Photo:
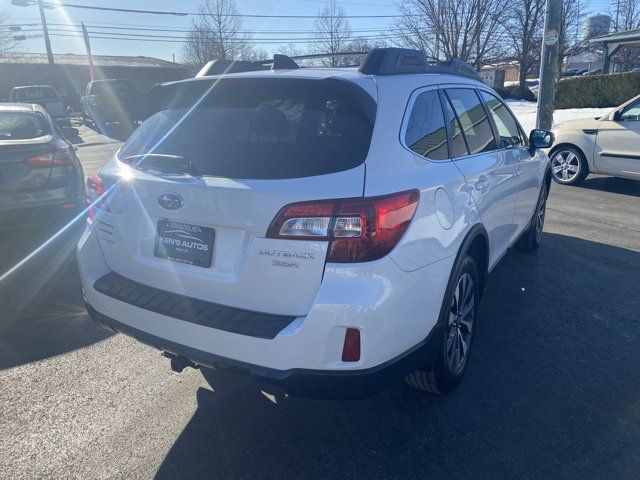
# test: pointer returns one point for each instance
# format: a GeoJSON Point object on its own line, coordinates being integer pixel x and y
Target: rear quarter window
{"type": "Point", "coordinates": [36, 94]}
{"type": "Point", "coordinates": [425, 132]}
{"type": "Point", "coordinates": [259, 128]}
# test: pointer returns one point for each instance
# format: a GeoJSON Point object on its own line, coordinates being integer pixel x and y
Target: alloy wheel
{"type": "Point", "coordinates": [565, 165]}
{"type": "Point", "coordinates": [460, 324]}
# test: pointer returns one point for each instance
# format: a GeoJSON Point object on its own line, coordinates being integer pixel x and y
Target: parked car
{"type": "Point", "coordinates": [572, 72]}
{"type": "Point", "coordinates": [41, 179]}
{"type": "Point", "coordinates": [608, 145]}
{"type": "Point", "coordinates": [326, 230]}
{"type": "Point", "coordinates": [112, 100]}
{"type": "Point", "coordinates": [46, 96]}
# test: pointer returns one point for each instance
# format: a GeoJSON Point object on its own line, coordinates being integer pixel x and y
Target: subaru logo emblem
{"type": "Point", "coordinates": [170, 201]}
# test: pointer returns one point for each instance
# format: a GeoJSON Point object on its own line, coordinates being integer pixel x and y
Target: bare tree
{"type": "Point", "coordinates": [573, 14]}
{"type": "Point", "coordinates": [524, 30]}
{"type": "Point", "coordinates": [628, 14]}
{"type": "Point", "coordinates": [216, 35]}
{"type": "Point", "coordinates": [333, 33]}
{"type": "Point", "coordinates": [471, 30]}
{"type": "Point", "coordinates": [628, 17]}
{"type": "Point", "coordinates": [7, 43]}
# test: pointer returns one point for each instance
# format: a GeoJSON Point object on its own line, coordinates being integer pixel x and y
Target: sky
{"type": "Point", "coordinates": [259, 27]}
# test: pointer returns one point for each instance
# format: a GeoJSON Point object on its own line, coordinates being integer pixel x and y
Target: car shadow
{"type": "Point", "coordinates": [552, 391]}
{"type": "Point", "coordinates": [622, 186]}
{"type": "Point", "coordinates": [117, 131]}
{"type": "Point", "coordinates": [42, 312]}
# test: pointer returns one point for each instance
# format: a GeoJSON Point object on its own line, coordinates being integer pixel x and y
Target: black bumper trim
{"type": "Point", "coordinates": [326, 384]}
{"type": "Point", "coordinates": [192, 310]}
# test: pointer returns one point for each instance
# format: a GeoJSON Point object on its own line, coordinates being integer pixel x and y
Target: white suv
{"type": "Point", "coordinates": [327, 230]}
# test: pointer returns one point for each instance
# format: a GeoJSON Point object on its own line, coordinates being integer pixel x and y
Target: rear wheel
{"type": "Point", "coordinates": [532, 237]}
{"type": "Point", "coordinates": [569, 166]}
{"type": "Point", "coordinates": [453, 335]}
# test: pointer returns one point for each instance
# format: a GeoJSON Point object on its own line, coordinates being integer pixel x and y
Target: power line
{"type": "Point", "coordinates": [133, 36]}
{"type": "Point", "coordinates": [183, 14]}
{"type": "Point", "coordinates": [178, 40]}
{"type": "Point", "coordinates": [178, 30]}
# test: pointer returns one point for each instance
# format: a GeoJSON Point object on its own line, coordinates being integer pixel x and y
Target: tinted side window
{"type": "Point", "coordinates": [474, 121]}
{"type": "Point", "coordinates": [632, 112]}
{"type": "Point", "coordinates": [457, 144]}
{"type": "Point", "coordinates": [506, 125]}
{"type": "Point", "coordinates": [426, 134]}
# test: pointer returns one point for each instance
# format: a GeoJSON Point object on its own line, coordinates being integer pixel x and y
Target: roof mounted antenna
{"type": "Point", "coordinates": [283, 62]}
{"type": "Point", "coordinates": [399, 61]}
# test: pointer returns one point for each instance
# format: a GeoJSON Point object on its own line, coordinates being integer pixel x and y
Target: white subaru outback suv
{"type": "Point", "coordinates": [326, 230]}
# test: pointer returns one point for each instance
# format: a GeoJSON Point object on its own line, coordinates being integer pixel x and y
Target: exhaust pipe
{"type": "Point", "coordinates": [179, 363]}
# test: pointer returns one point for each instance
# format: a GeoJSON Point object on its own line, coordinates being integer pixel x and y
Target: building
{"type": "Point", "coordinates": [595, 26]}
{"type": "Point", "coordinates": [70, 73]}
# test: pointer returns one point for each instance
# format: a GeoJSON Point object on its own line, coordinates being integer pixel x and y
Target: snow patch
{"type": "Point", "coordinates": [526, 113]}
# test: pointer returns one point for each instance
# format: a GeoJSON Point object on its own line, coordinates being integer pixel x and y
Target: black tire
{"type": "Point", "coordinates": [530, 240]}
{"type": "Point", "coordinates": [563, 161]}
{"type": "Point", "coordinates": [438, 375]}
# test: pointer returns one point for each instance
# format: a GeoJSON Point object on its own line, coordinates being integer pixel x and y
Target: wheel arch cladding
{"type": "Point", "coordinates": [476, 245]}
{"type": "Point", "coordinates": [547, 179]}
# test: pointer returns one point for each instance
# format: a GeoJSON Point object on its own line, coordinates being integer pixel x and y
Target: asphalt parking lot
{"type": "Point", "coordinates": [552, 389]}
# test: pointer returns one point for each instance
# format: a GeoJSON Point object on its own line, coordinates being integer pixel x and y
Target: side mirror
{"type": "Point", "coordinates": [617, 116]}
{"type": "Point", "coordinates": [540, 139]}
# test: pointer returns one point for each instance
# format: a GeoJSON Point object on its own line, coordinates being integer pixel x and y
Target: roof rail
{"type": "Point", "coordinates": [278, 62]}
{"type": "Point", "coordinates": [221, 67]}
{"type": "Point", "coordinates": [399, 61]}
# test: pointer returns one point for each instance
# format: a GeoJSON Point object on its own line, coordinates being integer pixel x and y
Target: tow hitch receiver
{"type": "Point", "coordinates": [178, 363]}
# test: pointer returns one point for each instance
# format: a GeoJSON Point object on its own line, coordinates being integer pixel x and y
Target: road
{"type": "Point", "coordinates": [552, 389]}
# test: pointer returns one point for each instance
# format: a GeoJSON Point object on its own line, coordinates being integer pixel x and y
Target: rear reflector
{"type": "Point", "coordinates": [359, 229]}
{"type": "Point", "coordinates": [351, 348]}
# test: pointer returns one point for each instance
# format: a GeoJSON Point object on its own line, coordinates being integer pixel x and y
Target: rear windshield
{"type": "Point", "coordinates": [260, 128]}
{"type": "Point", "coordinates": [113, 86]}
{"type": "Point", "coordinates": [22, 125]}
{"type": "Point", "coordinates": [36, 94]}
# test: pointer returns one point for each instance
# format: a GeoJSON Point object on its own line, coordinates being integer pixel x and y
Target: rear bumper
{"type": "Point", "coordinates": [325, 384]}
{"type": "Point", "coordinates": [394, 310]}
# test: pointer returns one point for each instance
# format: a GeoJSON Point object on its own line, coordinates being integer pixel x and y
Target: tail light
{"type": "Point", "coordinates": [95, 194]}
{"type": "Point", "coordinates": [359, 229]}
{"type": "Point", "coordinates": [60, 156]}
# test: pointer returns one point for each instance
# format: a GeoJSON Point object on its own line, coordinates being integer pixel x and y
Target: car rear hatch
{"type": "Point", "coordinates": [25, 145]}
{"type": "Point", "coordinates": [205, 176]}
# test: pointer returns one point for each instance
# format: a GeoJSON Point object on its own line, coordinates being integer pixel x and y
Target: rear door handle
{"type": "Point", "coordinates": [519, 171]}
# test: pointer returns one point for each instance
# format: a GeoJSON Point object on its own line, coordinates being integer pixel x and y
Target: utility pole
{"type": "Point", "coordinates": [549, 64]}
{"type": "Point", "coordinates": [45, 30]}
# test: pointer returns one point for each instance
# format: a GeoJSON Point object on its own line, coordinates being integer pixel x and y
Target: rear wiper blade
{"type": "Point", "coordinates": [162, 163]}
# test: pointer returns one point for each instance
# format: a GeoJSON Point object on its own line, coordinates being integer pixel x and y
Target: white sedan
{"type": "Point", "coordinates": [608, 145]}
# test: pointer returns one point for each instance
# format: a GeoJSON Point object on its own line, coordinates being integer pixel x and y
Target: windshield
{"type": "Point", "coordinates": [36, 94]}
{"type": "Point", "coordinates": [22, 125]}
{"type": "Point", "coordinates": [259, 128]}
{"type": "Point", "coordinates": [113, 86]}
